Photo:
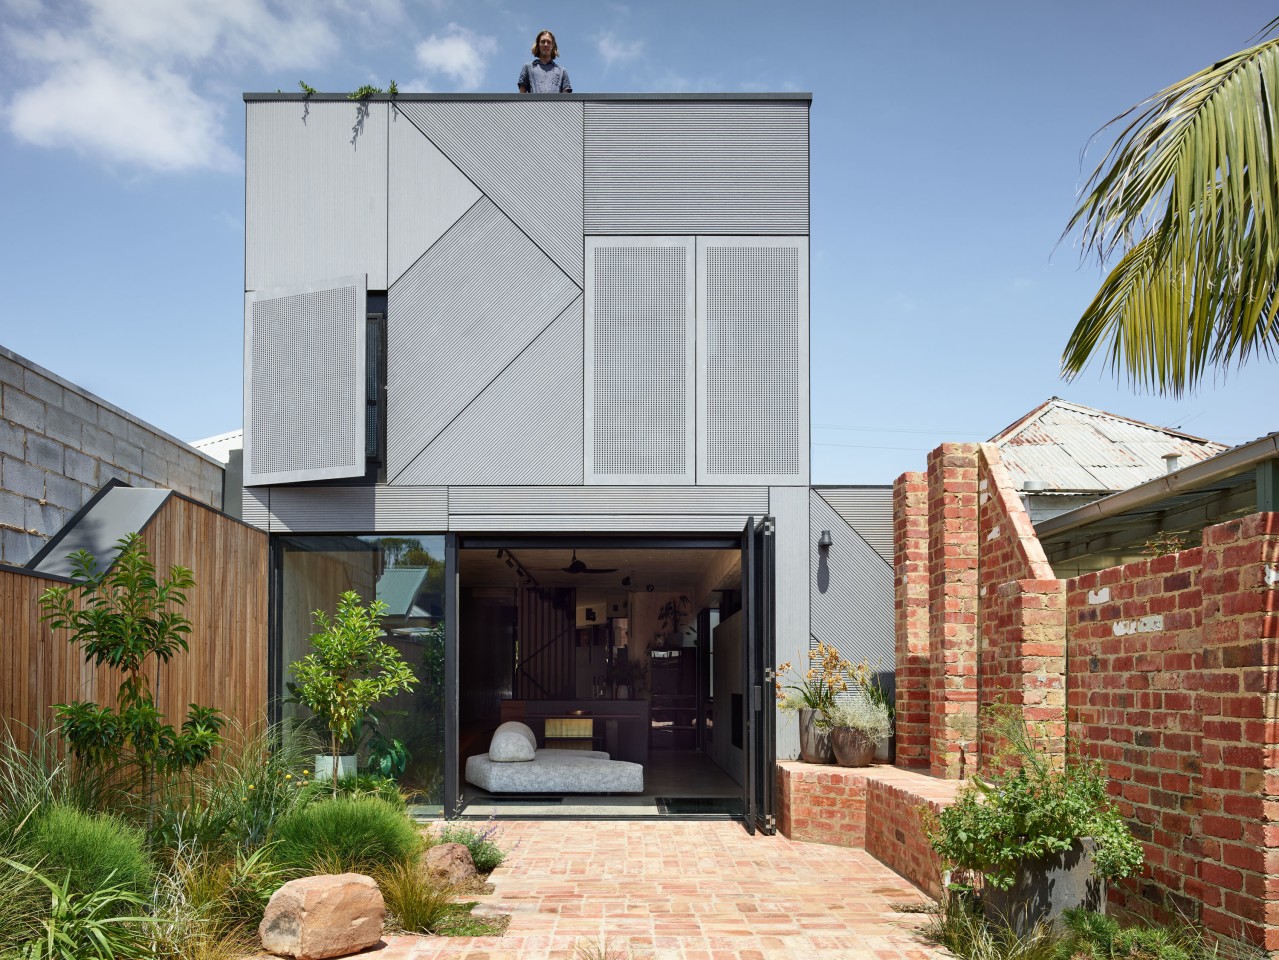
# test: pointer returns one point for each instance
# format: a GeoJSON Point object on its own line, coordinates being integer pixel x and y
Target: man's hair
{"type": "Point", "coordinates": [555, 47]}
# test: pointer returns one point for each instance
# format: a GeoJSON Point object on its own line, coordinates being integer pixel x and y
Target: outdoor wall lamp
{"type": "Point", "coordinates": [824, 541]}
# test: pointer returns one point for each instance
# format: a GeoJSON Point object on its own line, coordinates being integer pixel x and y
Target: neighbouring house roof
{"type": "Point", "coordinates": [220, 447]}
{"type": "Point", "coordinates": [1070, 448]}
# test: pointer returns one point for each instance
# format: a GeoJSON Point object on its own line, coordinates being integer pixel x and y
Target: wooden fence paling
{"type": "Point", "coordinates": [227, 662]}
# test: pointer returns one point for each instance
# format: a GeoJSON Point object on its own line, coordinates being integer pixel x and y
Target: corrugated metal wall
{"type": "Point", "coordinates": [868, 510]}
{"type": "Point", "coordinates": [681, 167]}
{"type": "Point", "coordinates": [851, 592]}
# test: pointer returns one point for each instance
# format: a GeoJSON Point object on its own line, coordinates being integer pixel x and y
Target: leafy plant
{"type": "Point", "coordinates": [33, 777]}
{"type": "Point", "coordinates": [358, 834]}
{"type": "Point", "coordinates": [962, 930]}
{"type": "Point", "coordinates": [89, 852]}
{"type": "Point", "coordinates": [485, 853]}
{"type": "Point", "coordinates": [306, 88]}
{"type": "Point", "coordinates": [89, 925]}
{"type": "Point", "coordinates": [1028, 808]}
{"type": "Point", "coordinates": [393, 89]}
{"type": "Point", "coordinates": [349, 669]}
{"type": "Point", "coordinates": [817, 689]}
{"type": "Point", "coordinates": [1093, 935]}
{"type": "Point", "coordinates": [124, 617]}
{"type": "Point", "coordinates": [1164, 543]}
{"type": "Point", "coordinates": [364, 92]}
{"type": "Point", "coordinates": [871, 719]}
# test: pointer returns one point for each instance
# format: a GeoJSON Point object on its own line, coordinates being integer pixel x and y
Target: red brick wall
{"type": "Point", "coordinates": [822, 804]}
{"type": "Point", "coordinates": [910, 537]}
{"type": "Point", "coordinates": [952, 604]}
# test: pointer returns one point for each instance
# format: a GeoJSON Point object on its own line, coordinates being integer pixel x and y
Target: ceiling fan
{"type": "Point", "coordinates": [577, 566]}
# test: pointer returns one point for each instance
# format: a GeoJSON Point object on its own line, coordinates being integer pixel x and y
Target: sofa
{"type": "Point", "coordinates": [515, 764]}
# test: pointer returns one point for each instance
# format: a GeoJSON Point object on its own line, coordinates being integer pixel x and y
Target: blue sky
{"type": "Point", "coordinates": [946, 156]}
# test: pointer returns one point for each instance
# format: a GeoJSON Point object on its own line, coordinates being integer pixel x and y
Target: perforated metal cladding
{"type": "Point", "coordinates": [708, 168]}
{"type": "Point", "coordinates": [755, 305]}
{"type": "Point", "coordinates": [306, 385]}
{"type": "Point", "coordinates": [641, 375]}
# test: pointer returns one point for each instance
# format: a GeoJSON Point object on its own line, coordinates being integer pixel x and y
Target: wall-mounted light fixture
{"type": "Point", "coordinates": [824, 541]}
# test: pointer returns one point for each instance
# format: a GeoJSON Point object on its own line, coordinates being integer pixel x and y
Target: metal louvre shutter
{"type": "Point", "coordinates": [752, 314]}
{"type": "Point", "coordinates": [305, 390]}
{"type": "Point", "coordinates": [640, 349]}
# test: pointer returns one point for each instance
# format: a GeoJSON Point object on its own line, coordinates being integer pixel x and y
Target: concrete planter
{"type": "Point", "coordinates": [852, 747]}
{"type": "Point", "coordinates": [814, 743]}
{"type": "Point", "coordinates": [324, 766]}
{"type": "Point", "coordinates": [1048, 886]}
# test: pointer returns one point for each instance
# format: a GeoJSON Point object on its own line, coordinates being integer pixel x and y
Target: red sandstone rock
{"type": "Point", "coordinates": [450, 863]}
{"type": "Point", "coordinates": [327, 916]}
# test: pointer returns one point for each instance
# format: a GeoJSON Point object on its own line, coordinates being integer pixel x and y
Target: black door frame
{"type": "Point", "coordinates": [758, 656]}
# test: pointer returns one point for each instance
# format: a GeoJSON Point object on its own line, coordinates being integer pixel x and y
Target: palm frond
{"type": "Point", "coordinates": [1187, 198]}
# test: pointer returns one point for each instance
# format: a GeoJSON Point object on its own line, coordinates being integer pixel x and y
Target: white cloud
{"type": "Point", "coordinates": [117, 78]}
{"type": "Point", "coordinates": [458, 54]}
{"type": "Point", "coordinates": [151, 120]}
{"type": "Point", "coordinates": [613, 51]}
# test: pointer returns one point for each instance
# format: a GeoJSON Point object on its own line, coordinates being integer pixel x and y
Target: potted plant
{"type": "Point", "coordinates": [812, 697]}
{"type": "Point", "coordinates": [873, 691]}
{"type": "Point", "coordinates": [348, 670]}
{"type": "Point", "coordinates": [1037, 837]}
{"type": "Point", "coordinates": [856, 729]}
{"type": "Point", "coordinates": [626, 676]}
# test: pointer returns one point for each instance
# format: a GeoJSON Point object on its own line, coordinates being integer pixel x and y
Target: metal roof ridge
{"type": "Point", "coordinates": [1233, 461]}
{"type": "Point", "coordinates": [341, 97]}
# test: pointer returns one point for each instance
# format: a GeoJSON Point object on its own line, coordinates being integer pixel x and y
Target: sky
{"type": "Point", "coordinates": [948, 144]}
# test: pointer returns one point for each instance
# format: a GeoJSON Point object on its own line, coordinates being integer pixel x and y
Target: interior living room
{"type": "Point", "coordinates": [632, 651]}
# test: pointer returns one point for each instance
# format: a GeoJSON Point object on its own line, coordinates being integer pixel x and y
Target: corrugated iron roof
{"type": "Point", "coordinates": [220, 447]}
{"type": "Point", "coordinates": [1070, 447]}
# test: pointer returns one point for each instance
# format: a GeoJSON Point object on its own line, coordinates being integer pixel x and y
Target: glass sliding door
{"type": "Point", "coordinates": [407, 573]}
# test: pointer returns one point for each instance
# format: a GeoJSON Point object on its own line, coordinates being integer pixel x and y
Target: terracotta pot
{"type": "Point", "coordinates": [852, 747]}
{"type": "Point", "coordinates": [814, 744]}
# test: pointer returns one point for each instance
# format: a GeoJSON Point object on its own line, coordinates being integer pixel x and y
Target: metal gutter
{"type": "Point", "coordinates": [529, 98]}
{"type": "Point", "coordinates": [1185, 480]}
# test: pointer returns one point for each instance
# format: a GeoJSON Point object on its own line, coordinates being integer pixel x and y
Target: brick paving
{"type": "Point", "coordinates": [691, 890]}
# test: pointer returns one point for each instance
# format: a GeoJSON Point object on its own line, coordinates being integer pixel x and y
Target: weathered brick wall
{"type": "Point", "coordinates": [59, 444]}
{"type": "Point", "coordinates": [952, 604]}
{"type": "Point", "coordinates": [874, 808]}
{"type": "Point", "coordinates": [910, 582]}
{"type": "Point", "coordinates": [1134, 667]}
{"type": "Point", "coordinates": [1022, 613]}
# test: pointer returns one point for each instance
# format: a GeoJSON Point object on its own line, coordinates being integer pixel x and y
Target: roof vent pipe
{"type": "Point", "coordinates": [1172, 461]}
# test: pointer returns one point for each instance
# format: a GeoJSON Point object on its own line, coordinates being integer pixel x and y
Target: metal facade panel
{"type": "Point", "coordinates": [609, 502]}
{"type": "Point", "coordinates": [305, 391]}
{"type": "Point", "coordinates": [868, 510]}
{"type": "Point", "coordinates": [526, 157]}
{"type": "Point", "coordinates": [456, 319]}
{"type": "Point", "coordinates": [427, 195]}
{"type": "Point", "coordinates": [701, 168]}
{"type": "Point", "coordinates": [315, 193]}
{"type": "Point", "coordinates": [640, 360]}
{"type": "Point", "coordinates": [256, 507]}
{"type": "Point", "coordinates": [851, 592]}
{"type": "Point", "coordinates": [752, 362]}
{"type": "Point", "coordinates": [595, 523]}
{"type": "Point", "coordinates": [358, 509]}
{"type": "Point", "coordinates": [789, 509]}
{"type": "Point", "coordinates": [525, 428]}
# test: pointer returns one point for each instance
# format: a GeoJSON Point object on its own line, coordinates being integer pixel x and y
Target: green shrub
{"type": "Point", "coordinates": [110, 922]}
{"type": "Point", "coordinates": [90, 851]}
{"type": "Point", "coordinates": [1092, 935]}
{"type": "Point", "coordinates": [963, 931]}
{"type": "Point", "coordinates": [416, 903]}
{"type": "Point", "coordinates": [359, 834]}
{"type": "Point", "coordinates": [361, 785]}
{"type": "Point", "coordinates": [33, 776]}
{"type": "Point", "coordinates": [488, 856]}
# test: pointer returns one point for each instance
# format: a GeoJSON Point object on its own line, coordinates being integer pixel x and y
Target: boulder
{"type": "Point", "coordinates": [327, 916]}
{"type": "Point", "coordinates": [450, 863]}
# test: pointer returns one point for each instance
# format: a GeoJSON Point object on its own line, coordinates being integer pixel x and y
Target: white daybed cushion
{"type": "Point", "coordinates": [512, 742]}
{"type": "Point", "coordinates": [557, 771]}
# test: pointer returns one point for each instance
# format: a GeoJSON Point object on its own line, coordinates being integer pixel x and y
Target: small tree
{"type": "Point", "coordinates": [124, 616]}
{"type": "Point", "coordinates": [349, 669]}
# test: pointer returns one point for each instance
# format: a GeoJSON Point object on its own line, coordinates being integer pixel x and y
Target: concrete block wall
{"type": "Point", "coordinates": [59, 444]}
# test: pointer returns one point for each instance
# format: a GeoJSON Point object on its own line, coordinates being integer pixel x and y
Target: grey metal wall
{"type": "Point", "coordinates": [851, 590]}
{"type": "Point", "coordinates": [679, 167]}
{"type": "Point", "coordinates": [315, 193]}
{"type": "Point", "coordinates": [868, 510]}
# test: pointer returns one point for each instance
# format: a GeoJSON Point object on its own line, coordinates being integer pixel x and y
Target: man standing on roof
{"type": "Point", "coordinates": [544, 75]}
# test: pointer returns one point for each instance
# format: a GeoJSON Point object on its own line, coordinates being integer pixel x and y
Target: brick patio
{"type": "Point", "coordinates": [684, 891]}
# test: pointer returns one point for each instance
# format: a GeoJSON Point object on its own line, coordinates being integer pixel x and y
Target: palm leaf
{"type": "Point", "coordinates": [1186, 198]}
